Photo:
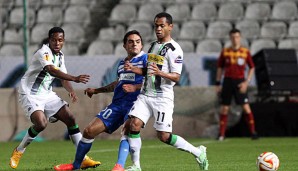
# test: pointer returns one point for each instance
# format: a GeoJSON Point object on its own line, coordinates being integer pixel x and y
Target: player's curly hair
{"type": "Point", "coordinates": [56, 30]}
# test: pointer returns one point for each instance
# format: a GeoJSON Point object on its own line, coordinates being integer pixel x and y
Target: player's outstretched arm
{"type": "Point", "coordinates": [63, 76]}
{"type": "Point", "coordinates": [106, 89]}
{"type": "Point", "coordinates": [67, 85]}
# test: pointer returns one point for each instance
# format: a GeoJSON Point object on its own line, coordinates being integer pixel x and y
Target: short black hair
{"type": "Point", "coordinates": [130, 33]}
{"type": "Point", "coordinates": [56, 30]}
{"type": "Point", "coordinates": [166, 15]}
{"type": "Point", "coordinates": [234, 30]}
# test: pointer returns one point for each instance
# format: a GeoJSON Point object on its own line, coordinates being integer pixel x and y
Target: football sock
{"type": "Point", "coordinates": [75, 134]}
{"type": "Point", "coordinates": [251, 122]}
{"type": "Point", "coordinates": [123, 151]}
{"type": "Point", "coordinates": [181, 144]}
{"type": "Point", "coordinates": [82, 149]}
{"type": "Point", "coordinates": [135, 143]}
{"type": "Point", "coordinates": [28, 138]}
{"type": "Point", "coordinates": [222, 124]}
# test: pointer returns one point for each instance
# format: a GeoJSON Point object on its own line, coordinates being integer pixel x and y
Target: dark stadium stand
{"type": "Point", "coordinates": [12, 36]}
{"type": "Point", "coordinates": [181, 12]}
{"type": "Point", "coordinates": [198, 23]}
{"type": "Point", "coordinates": [230, 12]}
{"type": "Point", "coordinates": [51, 15]}
{"type": "Point", "coordinates": [293, 30]}
{"type": "Point", "coordinates": [209, 45]}
{"type": "Point", "coordinates": [204, 12]}
{"type": "Point", "coordinates": [192, 30]}
{"type": "Point", "coordinates": [259, 44]}
{"type": "Point", "coordinates": [250, 29]}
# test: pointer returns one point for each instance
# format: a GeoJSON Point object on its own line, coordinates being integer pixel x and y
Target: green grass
{"type": "Point", "coordinates": [233, 154]}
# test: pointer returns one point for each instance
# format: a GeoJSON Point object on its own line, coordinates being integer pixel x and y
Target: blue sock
{"type": "Point", "coordinates": [82, 150]}
{"type": "Point", "coordinates": [123, 152]}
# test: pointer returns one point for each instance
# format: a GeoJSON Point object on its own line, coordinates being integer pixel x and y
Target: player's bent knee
{"type": "Point", "coordinates": [88, 133]}
{"type": "Point", "coordinates": [40, 126]}
{"type": "Point", "coordinates": [136, 125]}
{"type": "Point", "coordinates": [163, 136]}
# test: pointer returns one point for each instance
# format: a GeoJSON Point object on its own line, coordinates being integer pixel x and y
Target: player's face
{"type": "Point", "coordinates": [56, 42]}
{"type": "Point", "coordinates": [133, 45]}
{"type": "Point", "coordinates": [162, 29]}
{"type": "Point", "coordinates": [235, 39]}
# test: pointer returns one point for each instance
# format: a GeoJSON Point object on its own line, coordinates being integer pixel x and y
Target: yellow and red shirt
{"type": "Point", "coordinates": [234, 62]}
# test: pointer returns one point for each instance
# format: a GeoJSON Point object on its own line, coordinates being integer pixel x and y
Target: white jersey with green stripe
{"type": "Point", "coordinates": [168, 57]}
{"type": "Point", "coordinates": [36, 80]}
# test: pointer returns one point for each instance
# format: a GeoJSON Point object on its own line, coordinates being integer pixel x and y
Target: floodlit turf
{"type": "Point", "coordinates": [233, 154]}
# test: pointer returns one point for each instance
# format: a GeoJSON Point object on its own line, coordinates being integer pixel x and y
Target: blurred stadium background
{"type": "Point", "coordinates": [94, 30]}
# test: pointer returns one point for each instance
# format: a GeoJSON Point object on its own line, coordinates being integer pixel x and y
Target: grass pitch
{"type": "Point", "coordinates": [233, 154]}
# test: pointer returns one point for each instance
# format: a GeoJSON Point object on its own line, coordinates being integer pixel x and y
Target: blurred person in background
{"type": "Point", "coordinates": [40, 103]}
{"type": "Point", "coordinates": [231, 65]}
{"type": "Point", "coordinates": [126, 89]}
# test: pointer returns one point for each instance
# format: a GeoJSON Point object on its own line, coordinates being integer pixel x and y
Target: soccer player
{"type": "Point", "coordinates": [40, 103]}
{"type": "Point", "coordinates": [232, 63]}
{"type": "Point", "coordinates": [126, 90]}
{"type": "Point", "coordinates": [165, 58]}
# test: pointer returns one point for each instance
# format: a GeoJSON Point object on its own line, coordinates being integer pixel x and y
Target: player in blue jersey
{"type": "Point", "coordinates": [126, 89]}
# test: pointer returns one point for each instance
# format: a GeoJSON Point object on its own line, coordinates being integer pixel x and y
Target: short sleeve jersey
{"type": "Point", "coordinates": [128, 77]}
{"type": "Point", "coordinates": [169, 59]}
{"type": "Point", "coordinates": [234, 62]}
{"type": "Point", "coordinates": [36, 80]}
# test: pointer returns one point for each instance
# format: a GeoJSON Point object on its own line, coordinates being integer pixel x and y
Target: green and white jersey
{"type": "Point", "coordinates": [36, 80]}
{"type": "Point", "coordinates": [169, 58]}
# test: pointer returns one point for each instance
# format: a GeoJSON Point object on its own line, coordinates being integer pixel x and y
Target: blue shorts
{"type": "Point", "coordinates": [114, 115]}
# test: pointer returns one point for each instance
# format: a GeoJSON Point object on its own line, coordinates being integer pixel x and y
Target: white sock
{"type": "Point", "coordinates": [183, 145]}
{"type": "Point", "coordinates": [135, 149]}
{"type": "Point", "coordinates": [25, 142]}
{"type": "Point", "coordinates": [75, 138]}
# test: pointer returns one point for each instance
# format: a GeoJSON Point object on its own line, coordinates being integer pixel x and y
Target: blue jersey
{"type": "Point", "coordinates": [114, 115]}
{"type": "Point", "coordinates": [128, 77]}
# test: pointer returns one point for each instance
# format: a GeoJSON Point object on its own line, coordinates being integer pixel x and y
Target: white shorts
{"type": "Point", "coordinates": [161, 108]}
{"type": "Point", "coordinates": [50, 104]}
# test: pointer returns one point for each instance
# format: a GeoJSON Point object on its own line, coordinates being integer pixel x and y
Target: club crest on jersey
{"type": "Point", "coordinates": [127, 76]}
{"type": "Point", "coordinates": [164, 51]}
{"type": "Point", "coordinates": [46, 56]}
{"type": "Point", "coordinates": [179, 60]}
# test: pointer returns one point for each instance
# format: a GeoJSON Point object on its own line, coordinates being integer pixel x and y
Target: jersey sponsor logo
{"type": "Point", "coordinates": [127, 76]}
{"type": "Point", "coordinates": [46, 56]}
{"type": "Point", "coordinates": [155, 58]}
{"type": "Point", "coordinates": [179, 60]}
